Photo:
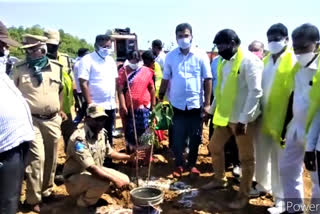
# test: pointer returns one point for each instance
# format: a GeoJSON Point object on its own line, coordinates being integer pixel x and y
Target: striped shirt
{"type": "Point", "coordinates": [15, 117]}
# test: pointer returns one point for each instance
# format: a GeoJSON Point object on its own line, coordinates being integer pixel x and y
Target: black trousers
{"type": "Point", "coordinates": [109, 125]}
{"type": "Point", "coordinates": [80, 104]}
{"type": "Point", "coordinates": [12, 165]}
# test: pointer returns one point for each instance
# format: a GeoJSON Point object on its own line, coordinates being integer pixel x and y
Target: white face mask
{"type": "Point", "coordinates": [6, 52]}
{"type": "Point", "coordinates": [104, 51]}
{"type": "Point", "coordinates": [133, 66]}
{"type": "Point", "coordinates": [184, 43]}
{"type": "Point", "coordinates": [276, 47]}
{"type": "Point", "coordinates": [305, 58]}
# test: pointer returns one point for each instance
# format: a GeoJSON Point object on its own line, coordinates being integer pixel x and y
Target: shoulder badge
{"type": "Point", "coordinates": [79, 146]}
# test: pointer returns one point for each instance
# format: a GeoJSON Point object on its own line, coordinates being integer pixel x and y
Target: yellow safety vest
{"type": "Point", "coordinates": [275, 111]}
{"type": "Point", "coordinates": [158, 77]}
{"type": "Point", "coordinates": [68, 99]}
{"type": "Point", "coordinates": [314, 99]}
{"type": "Point", "coordinates": [225, 97]}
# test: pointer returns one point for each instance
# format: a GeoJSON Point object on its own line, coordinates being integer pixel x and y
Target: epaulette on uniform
{"type": "Point", "coordinates": [63, 54]}
{"type": "Point", "coordinates": [55, 62]}
{"type": "Point", "coordinates": [105, 132]}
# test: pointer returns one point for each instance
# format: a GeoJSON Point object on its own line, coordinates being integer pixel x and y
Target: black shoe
{"type": "Point", "coordinates": [59, 180]}
{"type": "Point", "coordinates": [31, 207]}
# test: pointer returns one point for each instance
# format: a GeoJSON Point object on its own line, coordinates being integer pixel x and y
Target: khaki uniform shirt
{"type": "Point", "coordinates": [84, 150]}
{"type": "Point", "coordinates": [43, 99]}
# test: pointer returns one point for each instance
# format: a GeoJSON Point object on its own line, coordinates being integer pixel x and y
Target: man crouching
{"type": "Point", "coordinates": [85, 176]}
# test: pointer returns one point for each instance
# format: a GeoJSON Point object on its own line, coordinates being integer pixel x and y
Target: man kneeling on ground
{"type": "Point", "coordinates": [85, 176]}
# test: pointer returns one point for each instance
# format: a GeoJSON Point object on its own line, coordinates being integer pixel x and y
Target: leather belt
{"type": "Point", "coordinates": [45, 117]}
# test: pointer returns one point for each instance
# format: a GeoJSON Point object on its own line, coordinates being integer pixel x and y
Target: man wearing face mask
{"type": "Point", "coordinates": [40, 81]}
{"type": "Point", "coordinates": [16, 132]}
{"type": "Point", "coordinates": [235, 110]}
{"type": "Point", "coordinates": [5, 41]}
{"type": "Point", "coordinates": [187, 69]}
{"type": "Point", "coordinates": [53, 43]}
{"type": "Point", "coordinates": [97, 75]}
{"type": "Point", "coordinates": [276, 103]}
{"type": "Point", "coordinates": [85, 176]}
{"type": "Point", "coordinates": [306, 98]}
{"type": "Point", "coordinates": [257, 48]}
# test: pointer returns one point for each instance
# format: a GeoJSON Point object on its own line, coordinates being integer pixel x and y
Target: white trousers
{"type": "Point", "coordinates": [291, 173]}
{"type": "Point", "coordinates": [268, 154]}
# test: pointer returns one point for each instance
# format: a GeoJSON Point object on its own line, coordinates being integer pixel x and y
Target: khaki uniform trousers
{"type": "Point", "coordinates": [67, 129]}
{"type": "Point", "coordinates": [87, 188]}
{"type": "Point", "coordinates": [245, 145]}
{"type": "Point", "coordinates": [42, 159]}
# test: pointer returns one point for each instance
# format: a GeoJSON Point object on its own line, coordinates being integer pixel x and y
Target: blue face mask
{"type": "Point", "coordinates": [104, 51]}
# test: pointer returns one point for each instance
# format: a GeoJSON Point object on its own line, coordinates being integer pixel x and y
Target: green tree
{"type": "Point", "coordinates": [69, 43]}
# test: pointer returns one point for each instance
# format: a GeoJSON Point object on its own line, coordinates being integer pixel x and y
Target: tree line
{"type": "Point", "coordinates": [69, 43]}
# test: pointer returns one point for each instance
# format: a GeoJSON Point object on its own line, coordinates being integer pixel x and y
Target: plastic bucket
{"type": "Point", "coordinates": [145, 199]}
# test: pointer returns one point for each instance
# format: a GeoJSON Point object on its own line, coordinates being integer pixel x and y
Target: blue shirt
{"type": "Point", "coordinates": [15, 117]}
{"type": "Point", "coordinates": [186, 74]}
{"type": "Point", "coordinates": [214, 67]}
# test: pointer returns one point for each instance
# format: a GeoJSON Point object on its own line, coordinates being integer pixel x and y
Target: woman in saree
{"type": "Point", "coordinates": [136, 91]}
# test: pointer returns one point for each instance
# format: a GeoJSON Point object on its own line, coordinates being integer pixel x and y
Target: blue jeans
{"type": "Point", "coordinates": [186, 125]}
{"type": "Point", "coordinates": [12, 164]}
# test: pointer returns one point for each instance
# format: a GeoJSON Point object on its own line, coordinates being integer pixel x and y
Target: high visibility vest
{"type": "Point", "coordinates": [225, 97]}
{"type": "Point", "coordinates": [314, 99]}
{"type": "Point", "coordinates": [158, 77]}
{"type": "Point", "coordinates": [68, 99]}
{"type": "Point", "coordinates": [275, 111]}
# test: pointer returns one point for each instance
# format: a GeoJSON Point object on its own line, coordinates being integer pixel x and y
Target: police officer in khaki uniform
{"type": "Point", "coordinates": [53, 43]}
{"type": "Point", "coordinates": [85, 176]}
{"type": "Point", "coordinates": [40, 81]}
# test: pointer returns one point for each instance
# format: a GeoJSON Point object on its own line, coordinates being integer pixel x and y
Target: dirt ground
{"type": "Point", "coordinates": [203, 202]}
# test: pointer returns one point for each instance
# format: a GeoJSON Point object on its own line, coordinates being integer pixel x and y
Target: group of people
{"type": "Point", "coordinates": [268, 103]}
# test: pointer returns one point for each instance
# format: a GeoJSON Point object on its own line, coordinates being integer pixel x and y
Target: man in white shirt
{"type": "Point", "coordinates": [188, 70]}
{"type": "Point", "coordinates": [16, 132]}
{"type": "Point", "coordinates": [80, 103]}
{"type": "Point", "coordinates": [257, 48]}
{"type": "Point", "coordinates": [305, 40]}
{"type": "Point", "coordinates": [158, 52]}
{"type": "Point", "coordinates": [235, 109]}
{"type": "Point", "coordinates": [97, 76]}
{"type": "Point", "coordinates": [277, 82]}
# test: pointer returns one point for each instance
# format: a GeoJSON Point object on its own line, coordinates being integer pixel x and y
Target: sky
{"type": "Point", "coordinates": [151, 19]}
